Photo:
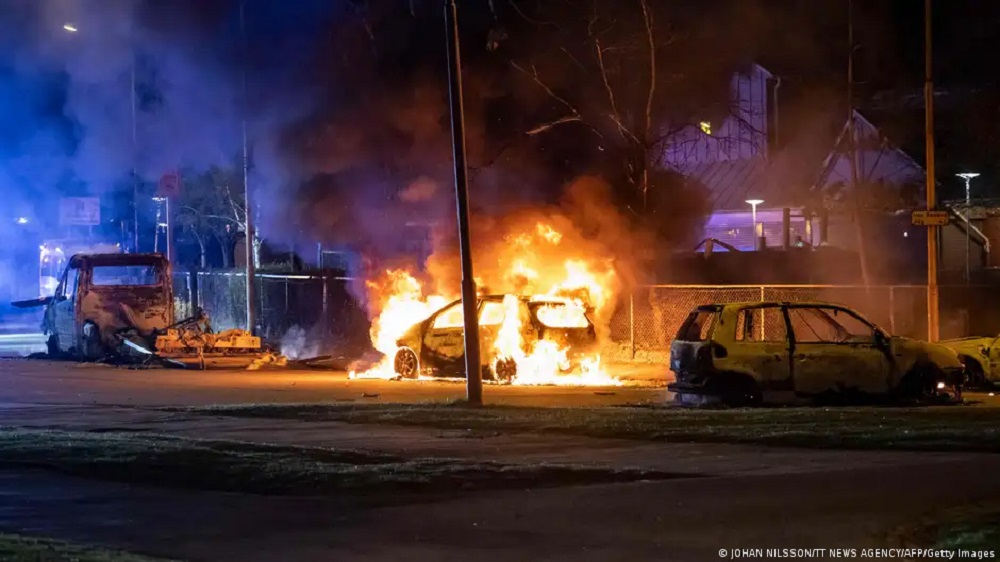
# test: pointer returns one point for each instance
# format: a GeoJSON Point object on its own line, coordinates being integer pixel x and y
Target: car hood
{"type": "Point", "coordinates": [968, 345]}
{"type": "Point", "coordinates": [941, 355]}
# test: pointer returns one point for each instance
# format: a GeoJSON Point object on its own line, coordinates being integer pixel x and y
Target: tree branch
{"type": "Point", "coordinates": [541, 83]}
{"type": "Point", "coordinates": [648, 19]}
{"type": "Point", "coordinates": [546, 126]}
{"type": "Point", "coordinates": [607, 87]}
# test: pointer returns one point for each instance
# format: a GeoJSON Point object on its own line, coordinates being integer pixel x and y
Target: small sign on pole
{"type": "Point", "coordinates": [80, 211]}
{"type": "Point", "coordinates": [169, 186]}
{"type": "Point", "coordinates": [929, 218]}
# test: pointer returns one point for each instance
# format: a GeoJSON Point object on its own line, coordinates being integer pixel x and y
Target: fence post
{"type": "Point", "coordinates": [762, 334]}
{"type": "Point", "coordinates": [326, 305]}
{"type": "Point", "coordinates": [892, 309]}
{"type": "Point", "coordinates": [631, 321]}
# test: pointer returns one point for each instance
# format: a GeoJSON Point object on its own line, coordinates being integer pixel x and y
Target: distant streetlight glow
{"type": "Point", "coordinates": [22, 220]}
{"type": "Point", "coordinates": [753, 206]}
{"type": "Point", "coordinates": [967, 176]}
{"type": "Point", "coordinates": [69, 27]}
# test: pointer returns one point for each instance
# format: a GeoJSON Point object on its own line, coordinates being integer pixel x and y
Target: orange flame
{"type": "Point", "coordinates": [404, 305]}
{"type": "Point", "coordinates": [537, 258]}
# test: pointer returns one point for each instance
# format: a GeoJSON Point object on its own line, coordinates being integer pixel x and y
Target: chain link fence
{"type": "Point", "coordinates": [318, 305]}
{"type": "Point", "coordinates": [641, 327]}
{"type": "Point", "coordinates": [647, 319]}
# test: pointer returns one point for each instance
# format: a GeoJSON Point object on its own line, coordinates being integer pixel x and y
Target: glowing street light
{"type": "Point", "coordinates": [753, 204]}
{"type": "Point", "coordinates": [69, 27]}
{"type": "Point", "coordinates": [22, 220]}
{"type": "Point", "coordinates": [967, 176]}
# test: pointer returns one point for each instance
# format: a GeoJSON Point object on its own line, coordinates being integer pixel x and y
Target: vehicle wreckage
{"type": "Point", "coordinates": [744, 354]}
{"type": "Point", "coordinates": [121, 306]}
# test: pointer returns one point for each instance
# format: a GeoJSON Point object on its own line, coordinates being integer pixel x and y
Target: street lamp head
{"type": "Point", "coordinates": [69, 27]}
{"type": "Point", "coordinates": [754, 202]}
{"type": "Point", "coordinates": [968, 175]}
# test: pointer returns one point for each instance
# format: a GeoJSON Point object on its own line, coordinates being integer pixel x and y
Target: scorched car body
{"type": "Point", "coordinates": [435, 346]}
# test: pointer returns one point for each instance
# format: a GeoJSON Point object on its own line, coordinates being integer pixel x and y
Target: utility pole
{"type": "Point", "coordinates": [170, 229]}
{"type": "Point", "coordinates": [852, 152]}
{"type": "Point", "coordinates": [247, 204]}
{"type": "Point", "coordinates": [470, 304]}
{"type": "Point", "coordinates": [135, 177]}
{"type": "Point", "coordinates": [932, 232]}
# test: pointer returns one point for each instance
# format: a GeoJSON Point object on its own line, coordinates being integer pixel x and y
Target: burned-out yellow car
{"type": "Point", "coordinates": [779, 352]}
{"type": "Point", "coordinates": [981, 356]}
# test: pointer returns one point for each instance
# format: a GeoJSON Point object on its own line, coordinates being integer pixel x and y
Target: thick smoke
{"type": "Point", "coordinates": [583, 227]}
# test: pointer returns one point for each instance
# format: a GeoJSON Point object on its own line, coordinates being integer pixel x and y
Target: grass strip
{"type": "Point", "coordinates": [942, 428]}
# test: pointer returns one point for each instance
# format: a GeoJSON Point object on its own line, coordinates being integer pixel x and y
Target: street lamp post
{"type": "Point", "coordinates": [473, 373]}
{"type": "Point", "coordinates": [967, 176]}
{"type": "Point", "coordinates": [71, 28]}
{"type": "Point", "coordinates": [753, 213]}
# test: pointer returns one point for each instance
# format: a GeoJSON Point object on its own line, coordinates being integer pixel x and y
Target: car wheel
{"type": "Point", "coordinates": [737, 391]}
{"type": "Point", "coordinates": [406, 364]}
{"type": "Point", "coordinates": [91, 347]}
{"type": "Point", "coordinates": [920, 384]}
{"type": "Point", "coordinates": [977, 378]}
{"type": "Point", "coordinates": [52, 346]}
{"type": "Point", "coordinates": [504, 370]}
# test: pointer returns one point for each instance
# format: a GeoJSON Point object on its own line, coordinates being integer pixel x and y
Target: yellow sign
{"type": "Point", "coordinates": [929, 218]}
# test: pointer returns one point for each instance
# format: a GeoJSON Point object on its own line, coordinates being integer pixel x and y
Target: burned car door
{"type": "Point", "coordinates": [762, 348]}
{"type": "Point", "coordinates": [834, 351]}
{"type": "Point", "coordinates": [991, 362]}
{"type": "Point", "coordinates": [491, 317]}
{"type": "Point", "coordinates": [63, 308]}
{"type": "Point", "coordinates": [444, 341]}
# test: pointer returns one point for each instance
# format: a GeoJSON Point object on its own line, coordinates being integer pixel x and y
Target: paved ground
{"type": "Point", "coordinates": [743, 497]}
{"type": "Point", "coordinates": [64, 382]}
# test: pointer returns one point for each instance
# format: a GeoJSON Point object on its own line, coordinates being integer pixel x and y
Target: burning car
{"type": "Point", "coordinates": [100, 295]}
{"type": "Point", "coordinates": [750, 353]}
{"type": "Point", "coordinates": [521, 337]}
{"type": "Point", "coordinates": [981, 356]}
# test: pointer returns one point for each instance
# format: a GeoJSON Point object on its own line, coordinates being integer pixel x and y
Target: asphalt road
{"type": "Point", "coordinates": [24, 381]}
{"type": "Point", "coordinates": [743, 496]}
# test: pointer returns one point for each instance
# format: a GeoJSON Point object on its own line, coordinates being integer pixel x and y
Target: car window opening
{"type": "Point", "coordinates": [562, 315]}
{"type": "Point", "coordinates": [124, 276]}
{"type": "Point", "coordinates": [698, 326]}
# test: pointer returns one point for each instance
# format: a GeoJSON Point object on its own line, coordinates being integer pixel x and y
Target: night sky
{"type": "Point", "coordinates": [323, 76]}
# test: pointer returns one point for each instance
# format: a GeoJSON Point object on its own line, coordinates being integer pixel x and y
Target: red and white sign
{"type": "Point", "coordinates": [80, 211]}
{"type": "Point", "coordinates": [170, 185]}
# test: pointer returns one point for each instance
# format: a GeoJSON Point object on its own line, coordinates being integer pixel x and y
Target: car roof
{"type": "Point", "coordinates": [764, 304]}
{"type": "Point", "coordinates": [78, 260]}
{"type": "Point", "coordinates": [549, 299]}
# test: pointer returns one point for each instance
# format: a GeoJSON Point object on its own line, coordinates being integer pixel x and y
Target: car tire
{"type": "Point", "coordinates": [91, 348]}
{"type": "Point", "coordinates": [977, 378]}
{"type": "Point", "coordinates": [736, 391]}
{"type": "Point", "coordinates": [919, 385]}
{"type": "Point", "coordinates": [52, 346]}
{"type": "Point", "coordinates": [504, 370]}
{"type": "Point", "coordinates": [406, 364]}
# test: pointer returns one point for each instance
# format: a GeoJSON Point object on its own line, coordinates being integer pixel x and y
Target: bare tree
{"type": "Point", "coordinates": [210, 207]}
{"type": "Point", "coordinates": [620, 72]}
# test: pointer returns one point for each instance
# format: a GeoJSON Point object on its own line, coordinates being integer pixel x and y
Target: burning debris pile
{"type": "Point", "coordinates": [561, 263]}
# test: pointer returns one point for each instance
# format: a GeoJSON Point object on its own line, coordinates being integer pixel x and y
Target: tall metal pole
{"type": "Point", "coordinates": [247, 202]}
{"type": "Point", "coordinates": [968, 228]}
{"type": "Point", "coordinates": [852, 152]}
{"type": "Point", "coordinates": [169, 229]}
{"type": "Point", "coordinates": [470, 304]}
{"type": "Point", "coordinates": [932, 233]}
{"type": "Point", "coordinates": [135, 178]}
